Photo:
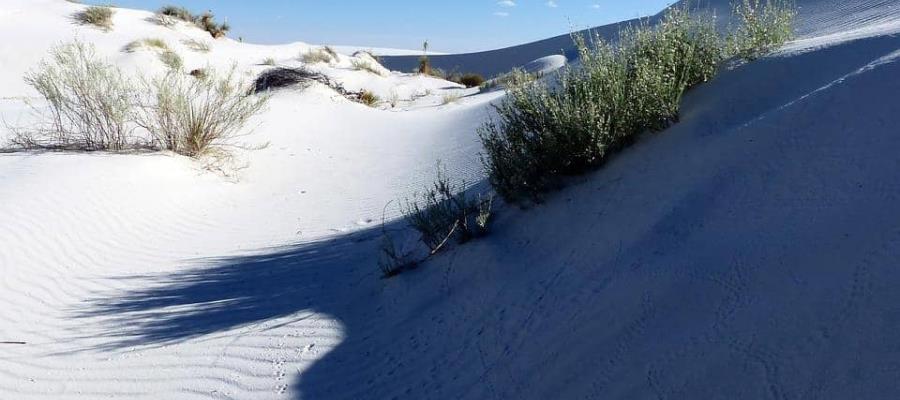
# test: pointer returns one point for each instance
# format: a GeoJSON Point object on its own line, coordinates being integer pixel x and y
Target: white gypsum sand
{"type": "Point", "coordinates": [747, 252]}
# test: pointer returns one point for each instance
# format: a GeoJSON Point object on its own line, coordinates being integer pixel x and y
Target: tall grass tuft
{"type": "Point", "coordinates": [544, 133]}
{"type": "Point", "coordinates": [196, 117]}
{"type": "Point", "coordinates": [763, 26]}
{"type": "Point", "coordinates": [100, 16]}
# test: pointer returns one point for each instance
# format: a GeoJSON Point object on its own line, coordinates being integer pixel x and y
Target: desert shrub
{"type": "Point", "coordinates": [269, 61]}
{"type": "Point", "coordinates": [196, 117]}
{"type": "Point", "coordinates": [100, 16]}
{"type": "Point", "coordinates": [368, 98]}
{"type": "Point", "coordinates": [163, 20]}
{"type": "Point", "coordinates": [197, 45]}
{"type": "Point", "coordinates": [446, 211]}
{"type": "Point", "coordinates": [545, 132]}
{"type": "Point", "coordinates": [89, 102]}
{"type": "Point", "coordinates": [172, 60]}
{"type": "Point", "coordinates": [471, 80]}
{"type": "Point", "coordinates": [317, 56]}
{"type": "Point", "coordinates": [763, 26]}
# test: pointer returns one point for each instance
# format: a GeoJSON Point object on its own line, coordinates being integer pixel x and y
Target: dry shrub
{"type": "Point", "coordinates": [100, 16]}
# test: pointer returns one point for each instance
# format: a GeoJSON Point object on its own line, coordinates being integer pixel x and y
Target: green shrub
{"type": "Point", "coordinates": [89, 102]}
{"type": "Point", "coordinates": [100, 16]}
{"type": "Point", "coordinates": [544, 132]}
{"type": "Point", "coordinates": [196, 117]}
{"type": "Point", "coordinates": [763, 26]}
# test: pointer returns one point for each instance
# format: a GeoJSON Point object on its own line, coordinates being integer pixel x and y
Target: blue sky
{"type": "Point", "coordinates": [449, 26]}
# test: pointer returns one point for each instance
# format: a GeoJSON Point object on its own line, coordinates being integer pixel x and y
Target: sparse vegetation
{"type": "Point", "coordinates": [547, 132]}
{"type": "Point", "coordinates": [177, 12]}
{"type": "Point", "coordinates": [424, 61]}
{"type": "Point", "coordinates": [269, 61]}
{"type": "Point", "coordinates": [197, 117]}
{"type": "Point", "coordinates": [100, 16]}
{"type": "Point", "coordinates": [89, 103]}
{"type": "Point", "coordinates": [763, 25]}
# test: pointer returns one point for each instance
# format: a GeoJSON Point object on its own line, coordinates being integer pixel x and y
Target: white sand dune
{"type": "Point", "coordinates": [748, 252]}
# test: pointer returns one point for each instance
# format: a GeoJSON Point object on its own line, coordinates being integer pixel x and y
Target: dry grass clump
{"type": "Point", "coordinates": [197, 117]}
{"type": "Point", "coordinates": [368, 98]}
{"type": "Point", "coordinates": [320, 55]}
{"type": "Point", "coordinates": [151, 43]}
{"type": "Point", "coordinates": [197, 45]}
{"type": "Point", "coordinates": [269, 61]}
{"type": "Point", "coordinates": [100, 16]}
{"type": "Point", "coordinates": [278, 78]}
{"type": "Point", "coordinates": [172, 60]}
{"type": "Point", "coordinates": [205, 21]}
{"type": "Point", "coordinates": [449, 98]}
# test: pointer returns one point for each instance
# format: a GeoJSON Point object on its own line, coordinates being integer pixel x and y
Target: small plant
{"type": "Point", "coordinates": [394, 99]}
{"type": "Point", "coordinates": [100, 16]}
{"type": "Point", "coordinates": [445, 211]}
{"type": "Point", "coordinates": [172, 60]}
{"type": "Point", "coordinates": [368, 98]}
{"type": "Point", "coordinates": [269, 61]}
{"type": "Point", "coordinates": [763, 26]}
{"type": "Point", "coordinates": [321, 55]}
{"type": "Point", "coordinates": [163, 20]}
{"type": "Point", "coordinates": [197, 45]}
{"type": "Point", "coordinates": [471, 80]}
{"type": "Point", "coordinates": [197, 117]}
{"type": "Point", "coordinates": [90, 102]}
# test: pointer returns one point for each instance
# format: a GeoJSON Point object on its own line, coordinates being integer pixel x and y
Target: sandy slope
{"type": "Point", "coordinates": [745, 253]}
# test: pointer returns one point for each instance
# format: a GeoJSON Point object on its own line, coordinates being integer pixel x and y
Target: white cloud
{"type": "Point", "coordinates": [506, 3]}
{"type": "Point", "coordinates": [501, 14]}
{"type": "Point", "coordinates": [552, 4]}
